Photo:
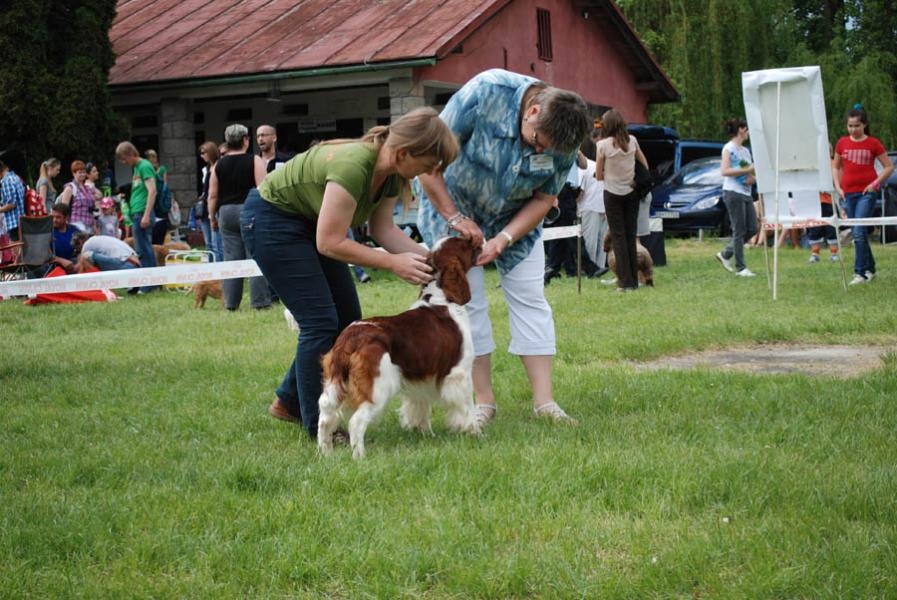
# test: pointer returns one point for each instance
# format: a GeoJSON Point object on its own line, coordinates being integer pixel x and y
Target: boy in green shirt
{"type": "Point", "coordinates": [143, 197]}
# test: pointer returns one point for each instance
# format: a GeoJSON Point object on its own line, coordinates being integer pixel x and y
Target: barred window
{"type": "Point", "coordinates": [543, 23]}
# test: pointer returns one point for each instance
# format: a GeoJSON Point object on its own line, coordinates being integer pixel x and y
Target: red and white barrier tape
{"type": "Point", "coordinates": [128, 278]}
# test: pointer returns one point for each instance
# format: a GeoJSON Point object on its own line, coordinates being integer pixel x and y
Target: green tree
{"type": "Point", "coordinates": [54, 99]}
{"type": "Point", "coordinates": [705, 45]}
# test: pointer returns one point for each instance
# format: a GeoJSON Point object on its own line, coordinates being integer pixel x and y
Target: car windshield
{"type": "Point", "coordinates": [705, 171]}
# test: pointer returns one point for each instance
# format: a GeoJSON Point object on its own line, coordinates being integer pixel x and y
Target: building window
{"type": "Point", "coordinates": [543, 23]}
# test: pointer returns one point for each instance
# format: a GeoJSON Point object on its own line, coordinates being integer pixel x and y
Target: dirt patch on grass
{"type": "Point", "coordinates": [828, 361]}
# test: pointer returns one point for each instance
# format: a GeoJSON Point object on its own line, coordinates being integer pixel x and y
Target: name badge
{"type": "Point", "coordinates": [541, 162]}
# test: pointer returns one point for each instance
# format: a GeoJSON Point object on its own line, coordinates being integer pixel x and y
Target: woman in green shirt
{"type": "Point", "coordinates": [295, 223]}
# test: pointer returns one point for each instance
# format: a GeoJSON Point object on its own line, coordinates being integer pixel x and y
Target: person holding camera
{"type": "Point", "coordinates": [519, 138]}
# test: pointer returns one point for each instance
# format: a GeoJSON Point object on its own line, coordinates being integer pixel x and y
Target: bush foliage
{"type": "Point", "coordinates": [54, 99]}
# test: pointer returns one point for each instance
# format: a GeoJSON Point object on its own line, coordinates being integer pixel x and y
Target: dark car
{"type": "Point", "coordinates": [666, 152]}
{"type": "Point", "coordinates": [691, 199]}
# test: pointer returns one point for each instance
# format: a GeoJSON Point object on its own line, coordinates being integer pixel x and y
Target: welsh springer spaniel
{"type": "Point", "coordinates": [424, 353]}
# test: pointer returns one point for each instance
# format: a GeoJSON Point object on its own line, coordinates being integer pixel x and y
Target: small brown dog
{"type": "Point", "coordinates": [645, 262]}
{"type": "Point", "coordinates": [204, 289]}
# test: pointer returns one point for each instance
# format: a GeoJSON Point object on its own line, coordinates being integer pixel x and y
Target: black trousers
{"type": "Point", "coordinates": [622, 220]}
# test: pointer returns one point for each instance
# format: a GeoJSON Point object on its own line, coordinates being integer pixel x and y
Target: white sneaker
{"type": "Point", "coordinates": [834, 258]}
{"type": "Point", "coordinates": [814, 258]}
{"type": "Point", "coordinates": [870, 275]}
{"type": "Point", "coordinates": [745, 272]}
{"type": "Point", "coordinates": [725, 262]}
{"type": "Point", "coordinates": [857, 279]}
{"type": "Point", "coordinates": [611, 281]}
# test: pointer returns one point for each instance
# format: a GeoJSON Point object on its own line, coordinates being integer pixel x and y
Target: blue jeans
{"type": "Point", "coordinates": [110, 263]}
{"type": "Point", "coordinates": [318, 291]}
{"type": "Point", "coordinates": [143, 245]}
{"type": "Point", "coordinates": [212, 238]}
{"type": "Point", "coordinates": [858, 205]}
{"type": "Point", "coordinates": [235, 248]}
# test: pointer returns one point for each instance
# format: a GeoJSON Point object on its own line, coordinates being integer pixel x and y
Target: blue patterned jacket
{"type": "Point", "coordinates": [494, 175]}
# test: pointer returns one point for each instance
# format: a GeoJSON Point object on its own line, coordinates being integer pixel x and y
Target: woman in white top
{"type": "Point", "coordinates": [615, 165]}
{"type": "Point", "coordinates": [738, 176]}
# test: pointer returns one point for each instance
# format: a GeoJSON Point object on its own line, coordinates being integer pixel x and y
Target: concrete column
{"type": "Point", "coordinates": [404, 95]}
{"type": "Point", "coordinates": [177, 150]}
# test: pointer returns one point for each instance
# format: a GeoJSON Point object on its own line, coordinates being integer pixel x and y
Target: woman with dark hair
{"type": "Point", "coordinates": [615, 160]}
{"type": "Point", "coordinates": [738, 176]}
{"type": "Point", "coordinates": [519, 139]}
{"type": "Point", "coordinates": [295, 225]}
{"type": "Point", "coordinates": [857, 182]}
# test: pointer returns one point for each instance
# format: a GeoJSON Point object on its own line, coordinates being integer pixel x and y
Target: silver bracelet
{"type": "Point", "coordinates": [455, 219]}
{"type": "Point", "coordinates": [507, 235]}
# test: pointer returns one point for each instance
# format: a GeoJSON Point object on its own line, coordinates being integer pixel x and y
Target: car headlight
{"type": "Point", "coordinates": [706, 203]}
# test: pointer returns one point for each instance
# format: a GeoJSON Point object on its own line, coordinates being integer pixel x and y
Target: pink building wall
{"type": "Point", "coordinates": [585, 58]}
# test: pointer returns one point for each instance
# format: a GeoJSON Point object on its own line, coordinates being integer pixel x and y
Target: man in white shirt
{"type": "Point", "coordinates": [107, 254]}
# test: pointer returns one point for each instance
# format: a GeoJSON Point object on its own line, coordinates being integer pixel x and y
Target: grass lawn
{"type": "Point", "coordinates": [137, 459]}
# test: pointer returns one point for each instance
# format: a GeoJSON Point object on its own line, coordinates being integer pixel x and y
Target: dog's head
{"type": "Point", "coordinates": [451, 259]}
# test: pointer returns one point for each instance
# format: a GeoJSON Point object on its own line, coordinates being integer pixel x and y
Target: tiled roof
{"type": "Point", "coordinates": [183, 39]}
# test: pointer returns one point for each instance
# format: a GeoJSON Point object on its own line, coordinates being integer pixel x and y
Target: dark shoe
{"type": "Point", "coordinates": [133, 291]}
{"type": "Point", "coordinates": [340, 437]}
{"type": "Point", "coordinates": [279, 410]}
{"type": "Point", "coordinates": [551, 273]}
{"type": "Point", "coordinates": [598, 273]}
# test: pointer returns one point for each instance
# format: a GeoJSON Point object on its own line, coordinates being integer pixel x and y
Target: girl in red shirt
{"type": "Point", "coordinates": [857, 182]}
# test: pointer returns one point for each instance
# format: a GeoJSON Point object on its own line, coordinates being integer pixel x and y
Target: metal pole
{"type": "Point", "coordinates": [775, 249]}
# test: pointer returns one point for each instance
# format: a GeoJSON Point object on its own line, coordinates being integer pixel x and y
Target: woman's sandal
{"type": "Point", "coordinates": [551, 410]}
{"type": "Point", "coordinates": [485, 413]}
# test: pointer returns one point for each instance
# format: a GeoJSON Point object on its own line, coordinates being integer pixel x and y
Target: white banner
{"type": "Point", "coordinates": [556, 233]}
{"type": "Point", "coordinates": [128, 278]}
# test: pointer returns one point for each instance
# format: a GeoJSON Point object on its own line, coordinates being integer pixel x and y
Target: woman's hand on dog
{"type": "Point", "coordinates": [470, 230]}
{"type": "Point", "coordinates": [492, 249]}
{"type": "Point", "coordinates": [411, 267]}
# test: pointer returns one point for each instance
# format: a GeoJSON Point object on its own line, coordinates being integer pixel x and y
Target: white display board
{"type": "Point", "coordinates": [785, 110]}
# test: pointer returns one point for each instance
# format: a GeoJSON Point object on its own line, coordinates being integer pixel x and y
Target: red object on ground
{"type": "Point", "coordinates": [72, 297]}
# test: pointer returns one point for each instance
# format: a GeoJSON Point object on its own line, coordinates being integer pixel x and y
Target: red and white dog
{"type": "Point", "coordinates": [424, 353]}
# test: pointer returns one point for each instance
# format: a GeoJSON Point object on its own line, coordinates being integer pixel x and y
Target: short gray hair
{"type": "Point", "coordinates": [234, 134]}
{"type": "Point", "coordinates": [564, 118]}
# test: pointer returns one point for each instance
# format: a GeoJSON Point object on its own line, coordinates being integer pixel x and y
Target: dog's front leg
{"type": "Point", "coordinates": [457, 392]}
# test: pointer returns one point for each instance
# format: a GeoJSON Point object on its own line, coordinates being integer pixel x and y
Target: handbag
{"type": "Point", "coordinates": [642, 182]}
{"type": "Point", "coordinates": [199, 208]}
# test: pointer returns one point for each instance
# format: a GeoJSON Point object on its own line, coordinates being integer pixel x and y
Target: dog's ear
{"type": "Point", "coordinates": [452, 281]}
